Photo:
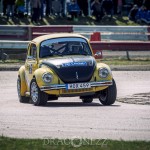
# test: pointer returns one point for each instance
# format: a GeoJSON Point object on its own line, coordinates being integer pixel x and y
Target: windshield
{"type": "Point", "coordinates": [64, 46]}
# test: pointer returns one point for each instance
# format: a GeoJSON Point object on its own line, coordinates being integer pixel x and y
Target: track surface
{"type": "Point", "coordinates": [68, 117]}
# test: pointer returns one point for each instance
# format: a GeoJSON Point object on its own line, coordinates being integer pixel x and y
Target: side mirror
{"type": "Point", "coordinates": [98, 55]}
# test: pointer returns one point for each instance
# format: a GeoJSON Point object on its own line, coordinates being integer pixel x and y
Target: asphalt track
{"type": "Point", "coordinates": [68, 117]}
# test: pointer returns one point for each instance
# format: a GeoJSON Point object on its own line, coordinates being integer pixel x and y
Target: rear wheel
{"type": "Point", "coordinates": [22, 99]}
{"type": "Point", "coordinates": [108, 96]}
{"type": "Point", "coordinates": [38, 97]}
{"type": "Point", "coordinates": [87, 100]}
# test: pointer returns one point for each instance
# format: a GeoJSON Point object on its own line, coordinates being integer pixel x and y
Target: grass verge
{"type": "Point", "coordinates": [123, 61]}
{"type": "Point", "coordinates": [66, 144]}
{"type": "Point", "coordinates": [108, 61]}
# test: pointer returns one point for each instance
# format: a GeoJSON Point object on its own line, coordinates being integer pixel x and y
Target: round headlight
{"type": "Point", "coordinates": [103, 72]}
{"type": "Point", "coordinates": [47, 77]}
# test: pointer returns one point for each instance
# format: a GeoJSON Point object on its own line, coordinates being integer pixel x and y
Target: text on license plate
{"type": "Point", "coordinates": [79, 86]}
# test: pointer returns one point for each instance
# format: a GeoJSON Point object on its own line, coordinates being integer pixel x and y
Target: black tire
{"type": "Point", "coordinates": [22, 99]}
{"type": "Point", "coordinates": [108, 96]}
{"type": "Point", "coordinates": [38, 97]}
{"type": "Point", "coordinates": [87, 100]}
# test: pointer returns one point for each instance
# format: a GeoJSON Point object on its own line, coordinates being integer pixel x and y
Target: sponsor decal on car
{"type": "Point", "coordinates": [74, 64]}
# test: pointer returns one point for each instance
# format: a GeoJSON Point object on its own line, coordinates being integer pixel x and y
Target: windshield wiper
{"type": "Point", "coordinates": [59, 55]}
{"type": "Point", "coordinates": [84, 53]}
{"type": "Point", "coordinates": [46, 56]}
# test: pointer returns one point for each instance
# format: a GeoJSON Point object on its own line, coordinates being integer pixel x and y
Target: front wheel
{"type": "Point", "coordinates": [38, 97]}
{"type": "Point", "coordinates": [108, 96]}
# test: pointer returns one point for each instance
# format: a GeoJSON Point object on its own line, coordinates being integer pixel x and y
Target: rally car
{"type": "Point", "coordinates": [63, 65]}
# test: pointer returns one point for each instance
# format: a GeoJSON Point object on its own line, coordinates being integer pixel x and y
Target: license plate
{"type": "Point", "coordinates": [78, 86]}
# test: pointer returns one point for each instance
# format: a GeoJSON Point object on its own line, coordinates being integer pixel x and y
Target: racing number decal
{"type": "Point", "coordinates": [30, 69]}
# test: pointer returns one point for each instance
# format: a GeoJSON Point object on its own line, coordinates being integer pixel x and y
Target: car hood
{"type": "Point", "coordinates": [72, 69]}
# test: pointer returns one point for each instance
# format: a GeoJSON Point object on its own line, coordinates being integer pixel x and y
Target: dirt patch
{"type": "Point", "coordinates": [141, 98]}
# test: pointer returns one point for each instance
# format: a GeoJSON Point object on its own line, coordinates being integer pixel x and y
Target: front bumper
{"type": "Point", "coordinates": [63, 86]}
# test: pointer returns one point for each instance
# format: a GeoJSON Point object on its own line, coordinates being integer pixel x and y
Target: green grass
{"type": "Point", "coordinates": [67, 144]}
{"type": "Point", "coordinates": [134, 61]}
{"type": "Point", "coordinates": [54, 20]}
{"type": "Point", "coordinates": [109, 61]}
{"type": "Point", "coordinates": [13, 61]}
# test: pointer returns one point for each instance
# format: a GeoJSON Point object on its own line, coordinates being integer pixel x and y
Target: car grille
{"type": "Point", "coordinates": [76, 90]}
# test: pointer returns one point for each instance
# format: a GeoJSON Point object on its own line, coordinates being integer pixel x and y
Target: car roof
{"type": "Point", "coordinates": [56, 35]}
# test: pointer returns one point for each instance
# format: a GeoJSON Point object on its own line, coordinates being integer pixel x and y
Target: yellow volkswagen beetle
{"type": "Point", "coordinates": [63, 65]}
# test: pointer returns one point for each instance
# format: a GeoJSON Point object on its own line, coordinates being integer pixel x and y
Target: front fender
{"type": "Point", "coordinates": [39, 73]}
{"type": "Point", "coordinates": [102, 65]}
{"type": "Point", "coordinates": [21, 74]}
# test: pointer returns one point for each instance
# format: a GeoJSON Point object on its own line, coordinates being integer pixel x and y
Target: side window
{"type": "Point", "coordinates": [33, 50]}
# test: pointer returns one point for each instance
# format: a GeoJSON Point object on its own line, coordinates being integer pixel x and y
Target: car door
{"type": "Point", "coordinates": [31, 63]}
